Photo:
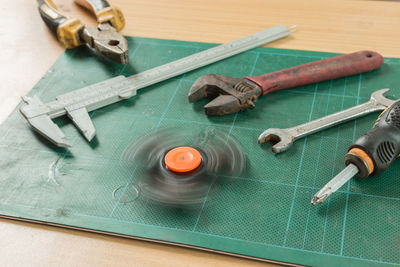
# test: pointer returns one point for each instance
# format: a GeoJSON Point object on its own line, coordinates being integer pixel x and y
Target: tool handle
{"type": "Point", "coordinates": [104, 12]}
{"type": "Point", "coordinates": [93, 5]}
{"type": "Point", "coordinates": [318, 71]}
{"type": "Point", "coordinates": [375, 151]}
{"type": "Point", "coordinates": [67, 30]}
{"type": "Point", "coordinates": [50, 15]}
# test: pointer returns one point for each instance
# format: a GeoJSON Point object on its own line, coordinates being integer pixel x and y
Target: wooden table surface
{"type": "Point", "coordinates": [28, 50]}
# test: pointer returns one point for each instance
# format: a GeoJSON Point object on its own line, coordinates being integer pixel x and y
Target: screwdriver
{"type": "Point", "coordinates": [371, 154]}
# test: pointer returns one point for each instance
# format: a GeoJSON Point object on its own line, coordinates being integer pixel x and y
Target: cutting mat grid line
{"type": "Point", "coordinates": [348, 184]}
{"type": "Point", "coordinates": [229, 134]}
{"type": "Point", "coordinates": [169, 102]}
{"type": "Point", "coordinates": [299, 168]}
{"type": "Point", "coordinates": [315, 172]}
{"type": "Point", "coordinates": [268, 206]}
{"type": "Point", "coordinates": [213, 181]}
{"type": "Point", "coordinates": [332, 173]}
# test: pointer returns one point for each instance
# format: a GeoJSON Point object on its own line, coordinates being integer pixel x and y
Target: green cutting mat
{"type": "Point", "coordinates": [264, 213]}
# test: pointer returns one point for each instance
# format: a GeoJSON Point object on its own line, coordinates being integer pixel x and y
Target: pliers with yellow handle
{"type": "Point", "coordinates": [104, 39]}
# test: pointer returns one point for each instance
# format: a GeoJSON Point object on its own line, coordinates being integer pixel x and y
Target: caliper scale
{"type": "Point", "coordinates": [78, 103]}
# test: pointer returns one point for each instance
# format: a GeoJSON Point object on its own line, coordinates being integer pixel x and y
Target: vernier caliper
{"type": "Point", "coordinates": [78, 103]}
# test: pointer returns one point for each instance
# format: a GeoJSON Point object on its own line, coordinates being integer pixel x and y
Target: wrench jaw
{"type": "Point", "coordinates": [379, 97]}
{"type": "Point", "coordinates": [282, 139]}
{"type": "Point", "coordinates": [207, 86]}
{"type": "Point", "coordinates": [229, 94]}
{"type": "Point", "coordinates": [223, 105]}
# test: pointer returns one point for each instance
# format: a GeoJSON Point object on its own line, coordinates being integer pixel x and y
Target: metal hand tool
{"type": "Point", "coordinates": [78, 103]}
{"type": "Point", "coordinates": [237, 94]}
{"type": "Point", "coordinates": [284, 138]}
{"type": "Point", "coordinates": [371, 154]}
{"type": "Point", "coordinates": [104, 39]}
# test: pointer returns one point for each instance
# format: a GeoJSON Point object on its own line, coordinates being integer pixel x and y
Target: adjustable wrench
{"type": "Point", "coordinates": [231, 94]}
{"type": "Point", "coordinates": [284, 138]}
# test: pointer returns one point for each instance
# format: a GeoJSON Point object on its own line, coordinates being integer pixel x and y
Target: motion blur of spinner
{"type": "Point", "coordinates": [177, 167]}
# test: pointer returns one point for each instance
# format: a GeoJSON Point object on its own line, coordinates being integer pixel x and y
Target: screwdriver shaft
{"type": "Point", "coordinates": [333, 185]}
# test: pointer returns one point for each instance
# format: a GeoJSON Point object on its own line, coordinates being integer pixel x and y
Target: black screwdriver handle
{"type": "Point", "coordinates": [375, 151]}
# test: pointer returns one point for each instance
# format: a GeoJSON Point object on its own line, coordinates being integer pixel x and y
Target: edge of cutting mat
{"type": "Point", "coordinates": [195, 240]}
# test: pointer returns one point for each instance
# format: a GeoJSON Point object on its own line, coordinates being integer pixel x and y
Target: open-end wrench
{"type": "Point", "coordinates": [231, 94]}
{"type": "Point", "coordinates": [284, 138]}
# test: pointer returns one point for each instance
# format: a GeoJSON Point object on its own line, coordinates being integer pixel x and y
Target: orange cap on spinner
{"type": "Point", "coordinates": [182, 159]}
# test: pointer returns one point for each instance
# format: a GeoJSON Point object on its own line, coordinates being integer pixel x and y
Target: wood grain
{"type": "Point", "coordinates": [28, 49]}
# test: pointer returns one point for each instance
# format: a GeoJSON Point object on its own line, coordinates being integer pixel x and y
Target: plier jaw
{"type": "Point", "coordinates": [105, 40]}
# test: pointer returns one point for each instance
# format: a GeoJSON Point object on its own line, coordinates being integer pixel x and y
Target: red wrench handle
{"type": "Point", "coordinates": [318, 71]}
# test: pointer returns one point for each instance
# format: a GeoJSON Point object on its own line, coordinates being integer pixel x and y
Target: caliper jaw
{"type": "Point", "coordinates": [36, 114]}
{"type": "Point", "coordinates": [76, 105]}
